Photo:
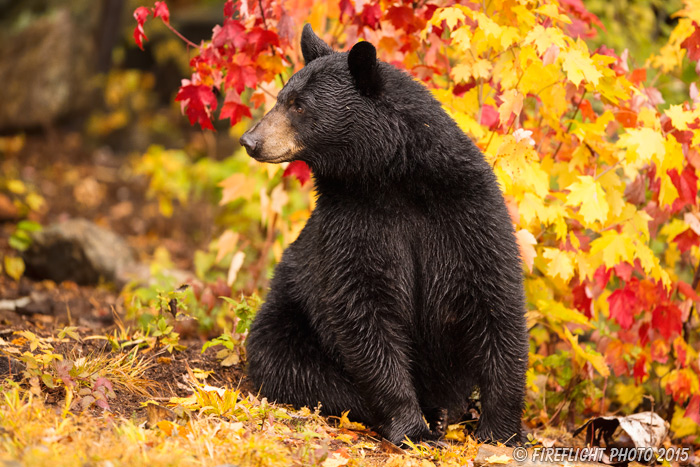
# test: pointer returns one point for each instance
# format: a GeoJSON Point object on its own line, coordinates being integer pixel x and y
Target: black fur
{"type": "Point", "coordinates": [311, 46]}
{"type": "Point", "coordinates": [362, 62]}
{"type": "Point", "coordinates": [404, 289]}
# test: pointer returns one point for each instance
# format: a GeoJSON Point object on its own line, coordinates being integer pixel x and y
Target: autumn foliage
{"type": "Point", "coordinates": [600, 174]}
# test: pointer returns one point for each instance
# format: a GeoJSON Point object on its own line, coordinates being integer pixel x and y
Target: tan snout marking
{"type": "Point", "coordinates": [277, 136]}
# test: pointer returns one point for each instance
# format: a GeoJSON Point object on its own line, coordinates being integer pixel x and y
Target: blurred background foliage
{"type": "Point", "coordinates": [106, 104]}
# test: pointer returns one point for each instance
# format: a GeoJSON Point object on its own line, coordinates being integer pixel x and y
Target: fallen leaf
{"type": "Point", "coordinates": [502, 459]}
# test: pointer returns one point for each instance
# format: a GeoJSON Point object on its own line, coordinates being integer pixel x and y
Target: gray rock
{"type": "Point", "coordinates": [47, 61]}
{"type": "Point", "coordinates": [79, 251]}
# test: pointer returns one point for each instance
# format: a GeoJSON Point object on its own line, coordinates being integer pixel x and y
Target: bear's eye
{"type": "Point", "coordinates": [295, 105]}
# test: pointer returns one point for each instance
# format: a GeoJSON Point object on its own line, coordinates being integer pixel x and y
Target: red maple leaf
{"type": "Point", "coordinates": [681, 349]}
{"type": "Point", "coordinates": [643, 333]}
{"type": "Point", "coordinates": [667, 320]}
{"type": "Point", "coordinates": [582, 301]}
{"type": "Point", "coordinates": [626, 117]}
{"type": "Point", "coordinates": [429, 11]}
{"type": "Point", "coordinates": [298, 169]}
{"type": "Point", "coordinates": [161, 11]}
{"type": "Point", "coordinates": [233, 109]}
{"type": "Point", "coordinates": [624, 271]}
{"type": "Point", "coordinates": [232, 33]}
{"type": "Point", "coordinates": [687, 185]}
{"type": "Point", "coordinates": [688, 291]}
{"type": "Point", "coordinates": [615, 353]}
{"type": "Point", "coordinates": [693, 409]}
{"type": "Point", "coordinates": [238, 77]}
{"type": "Point", "coordinates": [371, 14]}
{"type": "Point", "coordinates": [347, 8]}
{"type": "Point", "coordinates": [582, 19]}
{"type": "Point", "coordinates": [640, 369]}
{"type": "Point", "coordinates": [680, 386]}
{"type": "Point", "coordinates": [140, 15]}
{"type": "Point", "coordinates": [687, 240]}
{"type": "Point", "coordinates": [402, 17]}
{"type": "Point", "coordinates": [229, 7]}
{"type": "Point", "coordinates": [257, 99]}
{"type": "Point", "coordinates": [601, 277]}
{"type": "Point", "coordinates": [660, 351]}
{"type": "Point", "coordinates": [489, 116]}
{"type": "Point", "coordinates": [285, 27]}
{"type": "Point", "coordinates": [198, 102]}
{"type": "Point", "coordinates": [460, 88]}
{"type": "Point", "coordinates": [623, 303]}
{"type": "Point", "coordinates": [587, 110]}
{"type": "Point", "coordinates": [638, 75]}
{"type": "Point", "coordinates": [692, 43]}
{"type": "Point", "coordinates": [261, 39]}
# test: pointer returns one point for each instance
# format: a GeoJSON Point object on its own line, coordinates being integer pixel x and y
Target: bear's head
{"type": "Point", "coordinates": [344, 113]}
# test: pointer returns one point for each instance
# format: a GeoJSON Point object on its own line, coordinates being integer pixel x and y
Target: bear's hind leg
{"type": "Point", "coordinates": [287, 364]}
{"type": "Point", "coordinates": [502, 387]}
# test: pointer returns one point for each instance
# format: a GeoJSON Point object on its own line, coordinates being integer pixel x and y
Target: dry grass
{"type": "Point", "coordinates": [229, 429]}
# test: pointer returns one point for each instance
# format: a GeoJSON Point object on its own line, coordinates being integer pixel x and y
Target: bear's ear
{"type": "Point", "coordinates": [312, 46]}
{"type": "Point", "coordinates": [362, 61]}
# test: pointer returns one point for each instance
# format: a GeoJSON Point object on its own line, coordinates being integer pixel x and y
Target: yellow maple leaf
{"type": "Point", "coordinates": [673, 157]}
{"type": "Point", "coordinates": [455, 433]}
{"type": "Point", "coordinates": [462, 73]}
{"type": "Point", "coordinates": [683, 426]}
{"type": "Point", "coordinates": [482, 68]}
{"type": "Point", "coordinates": [512, 104]}
{"type": "Point", "coordinates": [679, 117]}
{"type": "Point", "coordinates": [502, 459]}
{"type": "Point", "coordinates": [589, 195]}
{"type": "Point", "coordinates": [551, 10]}
{"type": "Point", "coordinates": [636, 223]}
{"type": "Point", "coordinates": [462, 38]}
{"type": "Point", "coordinates": [642, 143]}
{"type": "Point", "coordinates": [544, 38]}
{"type": "Point", "coordinates": [673, 228]}
{"type": "Point", "coordinates": [579, 66]}
{"type": "Point", "coordinates": [488, 26]}
{"type": "Point", "coordinates": [667, 190]}
{"type": "Point", "coordinates": [509, 36]}
{"type": "Point", "coordinates": [650, 263]}
{"type": "Point", "coordinates": [451, 16]}
{"type": "Point", "coordinates": [559, 313]}
{"type": "Point", "coordinates": [345, 422]}
{"type": "Point", "coordinates": [531, 207]}
{"type": "Point", "coordinates": [591, 356]}
{"type": "Point", "coordinates": [561, 263]}
{"type": "Point", "coordinates": [615, 248]}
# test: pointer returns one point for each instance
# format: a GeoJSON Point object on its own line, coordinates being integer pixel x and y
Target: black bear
{"type": "Point", "coordinates": [404, 290]}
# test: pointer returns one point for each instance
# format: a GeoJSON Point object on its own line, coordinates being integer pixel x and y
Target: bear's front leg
{"type": "Point", "coordinates": [371, 339]}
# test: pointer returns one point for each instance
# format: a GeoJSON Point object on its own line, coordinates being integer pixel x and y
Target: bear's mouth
{"type": "Point", "coordinates": [288, 156]}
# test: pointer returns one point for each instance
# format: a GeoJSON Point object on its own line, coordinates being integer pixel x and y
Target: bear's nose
{"type": "Point", "coordinates": [250, 143]}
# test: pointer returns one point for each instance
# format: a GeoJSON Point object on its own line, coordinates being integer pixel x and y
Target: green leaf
{"type": "Point", "coordinates": [48, 380]}
{"type": "Point", "coordinates": [20, 240]}
{"type": "Point", "coordinates": [29, 226]}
